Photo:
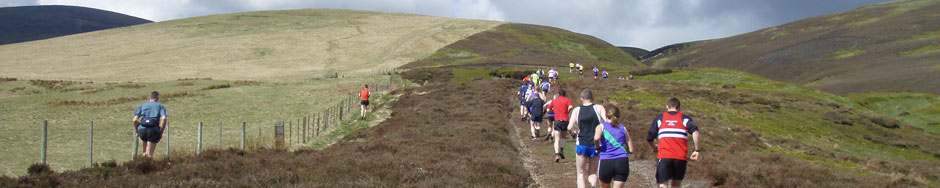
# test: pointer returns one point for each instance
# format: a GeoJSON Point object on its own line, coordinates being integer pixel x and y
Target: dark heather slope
{"type": "Point", "coordinates": [29, 23]}
{"type": "Point", "coordinates": [884, 47]}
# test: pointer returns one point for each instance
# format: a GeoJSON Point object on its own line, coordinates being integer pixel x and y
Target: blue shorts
{"type": "Point", "coordinates": [149, 134]}
{"type": "Point", "coordinates": [587, 151]}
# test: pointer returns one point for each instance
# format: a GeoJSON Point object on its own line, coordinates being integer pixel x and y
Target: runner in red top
{"type": "Point", "coordinates": [364, 101]}
{"type": "Point", "coordinates": [562, 108]}
{"type": "Point", "coordinates": [672, 129]}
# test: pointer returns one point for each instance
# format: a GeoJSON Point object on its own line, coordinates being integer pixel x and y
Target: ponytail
{"type": "Point", "coordinates": [613, 114]}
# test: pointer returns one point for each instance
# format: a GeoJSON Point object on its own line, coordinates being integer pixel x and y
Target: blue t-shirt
{"type": "Point", "coordinates": [150, 110]}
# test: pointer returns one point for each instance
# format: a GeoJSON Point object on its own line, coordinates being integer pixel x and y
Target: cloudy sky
{"type": "Point", "coordinates": [648, 24]}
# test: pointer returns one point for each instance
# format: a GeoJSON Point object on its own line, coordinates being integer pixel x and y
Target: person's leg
{"type": "Point", "coordinates": [676, 183]}
{"type": "Point", "coordinates": [617, 184]}
{"type": "Point", "coordinates": [605, 185]}
{"type": "Point", "coordinates": [362, 111]}
{"type": "Point", "coordinates": [592, 170]}
{"type": "Point", "coordinates": [143, 145]}
{"type": "Point", "coordinates": [151, 147]}
{"type": "Point", "coordinates": [581, 164]}
{"type": "Point", "coordinates": [538, 128]}
{"type": "Point", "coordinates": [532, 128]}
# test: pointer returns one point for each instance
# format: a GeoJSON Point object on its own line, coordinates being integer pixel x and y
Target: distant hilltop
{"type": "Point", "coordinates": [29, 23]}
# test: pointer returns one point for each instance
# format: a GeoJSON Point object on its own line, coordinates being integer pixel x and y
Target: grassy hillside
{"type": "Point", "coordinates": [883, 47]}
{"type": "Point", "coordinates": [266, 45]}
{"type": "Point", "coordinates": [29, 23]}
{"type": "Point", "coordinates": [523, 44]}
{"type": "Point", "coordinates": [255, 67]}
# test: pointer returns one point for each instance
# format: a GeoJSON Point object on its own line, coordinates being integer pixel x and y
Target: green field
{"type": "Point", "coordinates": [69, 107]}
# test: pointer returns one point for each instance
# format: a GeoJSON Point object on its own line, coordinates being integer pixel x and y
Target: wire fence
{"type": "Point", "coordinates": [184, 137]}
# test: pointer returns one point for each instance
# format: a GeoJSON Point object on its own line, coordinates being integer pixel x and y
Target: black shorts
{"type": "Point", "coordinates": [614, 169]}
{"type": "Point", "coordinates": [561, 125]}
{"type": "Point", "coordinates": [364, 102]}
{"type": "Point", "coordinates": [670, 169]}
{"type": "Point", "coordinates": [551, 118]}
{"type": "Point", "coordinates": [537, 118]}
{"type": "Point", "coordinates": [149, 134]}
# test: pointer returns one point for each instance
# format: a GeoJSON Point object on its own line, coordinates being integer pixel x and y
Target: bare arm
{"type": "Point", "coordinates": [598, 131]}
{"type": "Point", "coordinates": [573, 122]}
{"type": "Point", "coordinates": [695, 154]}
{"type": "Point", "coordinates": [162, 123]}
{"type": "Point", "coordinates": [602, 111]}
{"type": "Point", "coordinates": [136, 121]}
{"type": "Point", "coordinates": [629, 140]}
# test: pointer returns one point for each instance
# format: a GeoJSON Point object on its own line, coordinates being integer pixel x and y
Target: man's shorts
{"type": "Point", "coordinates": [670, 169]}
{"type": "Point", "coordinates": [561, 125]}
{"type": "Point", "coordinates": [587, 151]}
{"type": "Point", "coordinates": [364, 102]}
{"type": "Point", "coordinates": [551, 117]}
{"type": "Point", "coordinates": [149, 134]}
{"type": "Point", "coordinates": [537, 118]}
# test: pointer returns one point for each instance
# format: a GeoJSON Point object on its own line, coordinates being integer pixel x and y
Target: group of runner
{"type": "Point", "coordinates": [150, 119]}
{"type": "Point", "coordinates": [603, 143]}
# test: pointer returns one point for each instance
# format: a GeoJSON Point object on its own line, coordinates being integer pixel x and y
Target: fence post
{"type": "Point", "coordinates": [290, 134]}
{"type": "Point", "coordinates": [136, 145]}
{"type": "Point", "coordinates": [166, 131]}
{"type": "Point", "coordinates": [199, 140]}
{"type": "Point", "coordinates": [260, 138]}
{"type": "Point", "coordinates": [220, 135]}
{"type": "Point", "coordinates": [45, 124]}
{"type": "Point", "coordinates": [243, 134]}
{"type": "Point", "coordinates": [305, 130]}
{"type": "Point", "coordinates": [341, 103]}
{"type": "Point", "coordinates": [319, 116]}
{"type": "Point", "coordinates": [91, 144]}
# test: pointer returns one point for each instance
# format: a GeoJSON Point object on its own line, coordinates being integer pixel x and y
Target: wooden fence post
{"type": "Point", "coordinates": [91, 144]}
{"type": "Point", "coordinates": [45, 129]}
{"type": "Point", "coordinates": [166, 131]}
{"type": "Point", "coordinates": [199, 140]}
{"type": "Point", "coordinates": [220, 135]}
{"type": "Point", "coordinates": [136, 145]}
{"type": "Point", "coordinates": [260, 138]}
{"type": "Point", "coordinates": [305, 130]}
{"type": "Point", "coordinates": [243, 134]}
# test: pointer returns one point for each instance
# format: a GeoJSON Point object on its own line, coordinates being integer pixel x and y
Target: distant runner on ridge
{"type": "Point", "coordinates": [364, 101]}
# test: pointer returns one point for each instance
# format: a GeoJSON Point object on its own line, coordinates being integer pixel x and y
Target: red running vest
{"type": "Point", "coordinates": [673, 137]}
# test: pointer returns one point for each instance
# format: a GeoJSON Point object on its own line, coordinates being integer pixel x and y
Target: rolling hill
{"type": "Point", "coordinates": [29, 23]}
{"type": "Point", "coordinates": [266, 45]}
{"type": "Point", "coordinates": [883, 47]}
{"type": "Point", "coordinates": [634, 51]}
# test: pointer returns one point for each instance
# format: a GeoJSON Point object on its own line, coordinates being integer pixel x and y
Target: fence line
{"type": "Point", "coordinates": [319, 122]}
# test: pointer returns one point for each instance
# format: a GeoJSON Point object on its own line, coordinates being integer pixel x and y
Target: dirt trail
{"type": "Point", "coordinates": [538, 155]}
{"type": "Point", "coordinates": [547, 173]}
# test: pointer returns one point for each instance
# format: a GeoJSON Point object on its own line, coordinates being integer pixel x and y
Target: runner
{"type": "Point", "coordinates": [364, 94]}
{"type": "Point", "coordinates": [551, 75]}
{"type": "Point", "coordinates": [550, 115]}
{"type": "Point", "coordinates": [556, 76]}
{"type": "Point", "coordinates": [580, 69]}
{"type": "Point", "coordinates": [540, 72]}
{"type": "Point", "coordinates": [535, 109]}
{"type": "Point", "coordinates": [604, 75]}
{"type": "Point", "coordinates": [150, 121]}
{"type": "Point", "coordinates": [672, 128]}
{"type": "Point", "coordinates": [561, 106]}
{"type": "Point", "coordinates": [610, 139]}
{"type": "Point", "coordinates": [545, 87]}
{"type": "Point", "coordinates": [595, 73]}
{"type": "Point", "coordinates": [570, 67]}
{"type": "Point", "coordinates": [523, 93]}
{"type": "Point", "coordinates": [535, 79]}
{"type": "Point", "coordinates": [584, 120]}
